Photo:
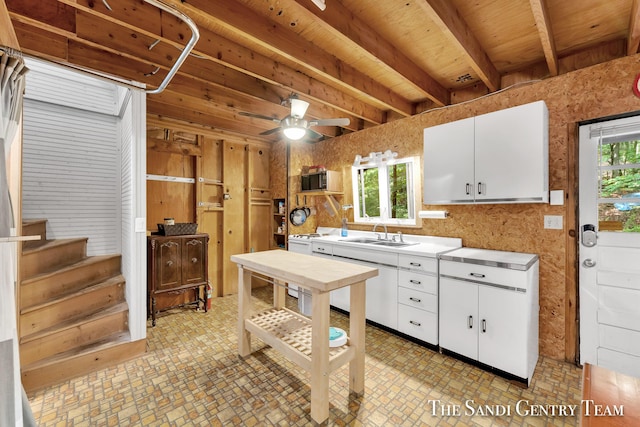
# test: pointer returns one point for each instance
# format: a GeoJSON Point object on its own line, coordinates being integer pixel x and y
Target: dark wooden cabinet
{"type": "Point", "coordinates": [176, 265]}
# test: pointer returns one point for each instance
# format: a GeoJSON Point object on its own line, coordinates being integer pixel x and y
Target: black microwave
{"type": "Point", "coordinates": [321, 181]}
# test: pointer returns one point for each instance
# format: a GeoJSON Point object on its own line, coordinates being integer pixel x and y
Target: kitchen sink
{"type": "Point", "coordinates": [392, 243]}
{"type": "Point", "coordinates": [377, 242]}
{"type": "Point", "coordinates": [360, 240]}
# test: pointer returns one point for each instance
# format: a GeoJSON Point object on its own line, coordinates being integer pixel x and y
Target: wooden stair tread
{"type": "Point", "coordinates": [83, 262]}
{"type": "Point", "coordinates": [105, 283]}
{"type": "Point", "coordinates": [28, 222]}
{"type": "Point", "coordinates": [50, 244]}
{"type": "Point", "coordinates": [73, 323]}
{"type": "Point", "coordinates": [113, 340]}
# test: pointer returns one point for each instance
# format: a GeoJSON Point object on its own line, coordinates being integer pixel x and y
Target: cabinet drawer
{"type": "Point", "coordinates": [363, 254]}
{"type": "Point", "coordinates": [418, 281]}
{"type": "Point", "coordinates": [418, 324]}
{"type": "Point", "coordinates": [322, 248]}
{"type": "Point", "coordinates": [420, 300]}
{"type": "Point", "coordinates": [418, 263]}
{"type": "Point", "coordinates": [484, 274]}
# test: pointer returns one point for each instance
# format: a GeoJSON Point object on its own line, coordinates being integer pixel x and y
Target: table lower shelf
{"type": "Point", "coordinates": [290, 333]}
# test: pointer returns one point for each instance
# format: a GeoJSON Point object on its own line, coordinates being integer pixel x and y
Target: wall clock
{"type": "Point", "coordinates": [636, 86]}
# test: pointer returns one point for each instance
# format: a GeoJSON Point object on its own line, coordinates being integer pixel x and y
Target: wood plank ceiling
{"type": "Point", "coordinates": [372, 62]}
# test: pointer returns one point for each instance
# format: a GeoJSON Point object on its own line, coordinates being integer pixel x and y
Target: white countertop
{"type": "Point", "coordinates": [429, 246]}
{"type": "Point", "coordinates": [503, 259]}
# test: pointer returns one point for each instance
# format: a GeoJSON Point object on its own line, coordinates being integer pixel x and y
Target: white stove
{"type": "Point", "coordinates": [300, 243]}
{"type": "Point", "coordinates": [303, 237]}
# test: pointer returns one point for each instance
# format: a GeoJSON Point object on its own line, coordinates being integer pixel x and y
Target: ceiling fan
{"type": "Point", "coordinates": [294, 126]}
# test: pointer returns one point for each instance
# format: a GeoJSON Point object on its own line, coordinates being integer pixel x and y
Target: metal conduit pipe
{"type": "Point", "coordinates": [195, 35]}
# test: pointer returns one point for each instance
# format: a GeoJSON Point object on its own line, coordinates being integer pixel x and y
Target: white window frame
{"type": "Point", "coordinates": [413, 181]}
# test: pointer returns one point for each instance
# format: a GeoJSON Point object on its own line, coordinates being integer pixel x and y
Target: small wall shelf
{"type": "Point", "coordinates": [329, 195]}
{"type": "Point", "coordinates": [279, 220]}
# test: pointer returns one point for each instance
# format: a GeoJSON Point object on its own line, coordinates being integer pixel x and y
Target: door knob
{"type": "Point", "coordinates": [588, 263]}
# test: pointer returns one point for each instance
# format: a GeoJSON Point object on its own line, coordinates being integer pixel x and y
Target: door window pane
{"type": "Point", "coordinates": [619, 186]}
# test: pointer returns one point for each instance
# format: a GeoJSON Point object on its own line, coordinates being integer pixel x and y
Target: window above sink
{"type": "Point", "coordinates": [385, 190]}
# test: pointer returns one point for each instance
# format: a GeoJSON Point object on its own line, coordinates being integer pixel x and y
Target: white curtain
{"type": "Point", "coordinates": [12, 81]}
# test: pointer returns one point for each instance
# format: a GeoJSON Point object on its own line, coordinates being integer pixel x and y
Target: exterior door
{"type": "Point", "coordinates": [609, 244]}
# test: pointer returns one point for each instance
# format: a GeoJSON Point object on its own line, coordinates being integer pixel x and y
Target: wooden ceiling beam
{"type": "Point", "coordinates": [227, 100]}
{"type": "Point", "coordinates": [633, 40]}
{"type": "Point", "coordinates": [353, 31]}
{"type": "Point", "coordinates": [543, 22]}
{"type": "Point", "coordinates": [117, 29]}
{"type": "Point", "coordinates": [185, 107]}
{"type": "Point", "coordinates": [108, 33]}
{"type": "Point", "coordinates": [7, 33]}
{"type": "Point", "coordinates": [213, 47]}
{"type": "Point", "coordinates": [256, 29]}
{"type": "Point", "coordinates": [281, 78]}
{"type": "Point", "coordinates": [445, 15]}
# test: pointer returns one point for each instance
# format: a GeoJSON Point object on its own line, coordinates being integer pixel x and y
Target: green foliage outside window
{"type": "Point", "coordinates": [620, 182]}
{"type": "Point", "coordinates": [394, 200]}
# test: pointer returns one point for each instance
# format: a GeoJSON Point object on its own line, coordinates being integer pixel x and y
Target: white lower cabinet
{"type": "Point", "coordinates": [489, 308]}
{"type": "Point", "coordinates": [381, 299]}
{"type": "Point", "coordinates": [418, 297]}
{"type": "Point", "coordinates": [459, 317]}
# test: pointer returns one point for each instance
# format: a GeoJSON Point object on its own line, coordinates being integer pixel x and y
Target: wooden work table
{"type": "Point", "coordinates": [606, 392]}
{"type": "Point", "coordinates": [302, 340]}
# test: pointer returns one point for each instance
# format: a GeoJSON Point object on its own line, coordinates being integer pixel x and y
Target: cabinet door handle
{"type": "Point", "coordinates": [415, 264]}
{"type": "Point", "coordinates": [415, 282]}
{"type": "Point", "coordinates": [194, 260]}
{"type": "Point", "coordinates": [468, 189]}
{"type": "Point", "coordinates": [470, 322]}
{"type": "Point", "coordinates": [413, 322]}
{"type": "Point", "coordinates": [477, 275]}
{"type": "Point", "coordinates": [484, 325]}
{"type": "Point", "coordinates": [414, 299]}
{"type": "Point", "coordinates": [169, 263]}
{"type": "Point", "coordinates": [479, 188]}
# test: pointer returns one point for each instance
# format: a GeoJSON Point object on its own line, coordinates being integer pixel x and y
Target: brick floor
{"type": "Point", "coordinates": [192, 376]}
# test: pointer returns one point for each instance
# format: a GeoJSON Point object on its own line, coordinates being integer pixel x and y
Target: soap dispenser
{"type": "Point", "coordinates": [345, 230]}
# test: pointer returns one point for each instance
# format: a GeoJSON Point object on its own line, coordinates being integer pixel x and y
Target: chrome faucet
{"type": "Point", "coordinates": [385, 229]}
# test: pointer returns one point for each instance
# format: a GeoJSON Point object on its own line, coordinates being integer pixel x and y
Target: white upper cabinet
{"type": "Point", "coordinates": [499, 157]}
{"type": "Point", "coordinates": [449, 162]}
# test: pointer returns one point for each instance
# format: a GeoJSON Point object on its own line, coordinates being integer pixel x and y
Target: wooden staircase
{"type": "Point", "coordinates": [73, 314]}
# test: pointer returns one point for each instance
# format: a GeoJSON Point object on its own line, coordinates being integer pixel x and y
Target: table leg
{"type": "Point", "coordinates": [244, 310]}
{"type": "Point", "coordinates": [320, 357]}
{"type": "Point", "coordinates": [356, 336]}
{"type": "Point", "coordinates": [279, 297]}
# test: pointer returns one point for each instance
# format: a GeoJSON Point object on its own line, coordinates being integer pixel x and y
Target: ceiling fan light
{"type": "Point", "coordinates": [294, 133]}
{"type": "Point", "coordinates": [298, 107]}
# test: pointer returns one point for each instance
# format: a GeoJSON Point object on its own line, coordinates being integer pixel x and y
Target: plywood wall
{"type": "Point", "coordinates": [594, 92]}
{"type": "Point", "coordinates": [229, 165]}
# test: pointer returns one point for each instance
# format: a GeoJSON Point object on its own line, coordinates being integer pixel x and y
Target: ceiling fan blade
{"type": "Point", "coordinates": [330, 122]}
{"type": "Point", "coordinates": [270, 131]}
{"type": "Point", "coordinates": [259, 116]}
{"type": "Point", "coordinates": [313, 134]}
{"type": "Point", "coordinates": [298, 107]}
